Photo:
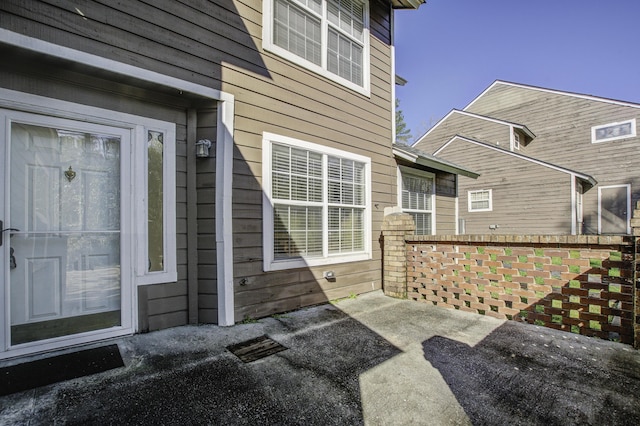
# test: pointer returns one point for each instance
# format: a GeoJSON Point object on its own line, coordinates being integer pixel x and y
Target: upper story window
{"type": "Point", "coordinates": [316, 209]}
{"type": "Point", "coordinates": [417, 199]}
{"type": "Point", "coordinates": [480, 201]}
{"type": "Point", "coordinates": [613, 131]}
{"type": "Point", "coordinates": [330, 37]}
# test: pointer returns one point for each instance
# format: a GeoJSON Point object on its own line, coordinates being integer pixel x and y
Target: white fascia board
{"type": "Point", "coordinates": [49, 49]}
{"type": "Point", "coordinates": [404, 155]}
{"type": "Point", "coordinates": [555, 92]}
{"type": "Point", "coordinates": [478, 116]}
{"type": "Point", "coordinates": [522, 127]}
{"type": "Point", "coordinates": [432, 128]}
{"type": "Point", "coordinates": [446, 144]}
{"type": "Point", "coordinates": [520, 156]}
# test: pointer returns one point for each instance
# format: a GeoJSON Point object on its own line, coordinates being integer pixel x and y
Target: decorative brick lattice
{"type": "Point", "coordinates": [582, 288]}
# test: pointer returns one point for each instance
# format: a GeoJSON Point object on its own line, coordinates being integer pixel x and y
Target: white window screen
{"type": "Point", "coordinates": [417, 200]}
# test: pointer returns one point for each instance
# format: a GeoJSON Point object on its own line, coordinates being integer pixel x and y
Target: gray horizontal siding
{"type": "Point", "coordinates": [527, 198]}
{"type": "Point", "coordinates": [562, 125]}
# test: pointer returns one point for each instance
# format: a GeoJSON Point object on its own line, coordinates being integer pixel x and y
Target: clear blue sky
{"type": "Point", "coordinates": [451, 50]}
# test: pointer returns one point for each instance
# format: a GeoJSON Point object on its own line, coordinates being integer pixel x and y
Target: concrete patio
{"type": "Point", "coordinates": [370, 360]}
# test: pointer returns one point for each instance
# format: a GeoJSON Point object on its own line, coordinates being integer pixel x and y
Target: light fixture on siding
{"type": "Point", "coordinates": [202, 148]}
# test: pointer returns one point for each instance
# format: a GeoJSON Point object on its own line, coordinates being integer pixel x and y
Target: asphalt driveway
{"type": "Point", "coordinates": [370, 360]}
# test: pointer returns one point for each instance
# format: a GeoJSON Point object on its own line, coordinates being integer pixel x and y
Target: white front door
{"type": "Point", "coordinates": [63, 270]}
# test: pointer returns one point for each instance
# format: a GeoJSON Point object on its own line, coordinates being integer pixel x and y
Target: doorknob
{"type": "Point", "coordinates": [2, 231]}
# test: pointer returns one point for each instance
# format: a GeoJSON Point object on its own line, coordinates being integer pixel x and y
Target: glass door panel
{"type": "Point", "coordinates": [64, 198]}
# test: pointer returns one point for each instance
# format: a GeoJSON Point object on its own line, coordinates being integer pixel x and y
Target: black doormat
{"type": "Point", "coordinates": [46, 371]}
{"type": "Point", "coordinates": [257, 348]}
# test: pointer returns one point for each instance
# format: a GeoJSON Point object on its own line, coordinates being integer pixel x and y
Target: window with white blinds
{"type": "Point", "coordinates": [417, 200]}
{"type": "Point", "coordinates": [317, 210]}
{"type": "Point", "coordinates": [328, 36]}
{"type": "Point", "coordinates": [480, 201]}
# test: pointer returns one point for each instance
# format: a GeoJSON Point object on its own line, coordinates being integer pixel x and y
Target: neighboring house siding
{"type": "Point", "coordinates": [527, 198]}
{"type": "Point", "coordinates": [469, 126]}
{"type": "Point", "coordinates": [562, 124]}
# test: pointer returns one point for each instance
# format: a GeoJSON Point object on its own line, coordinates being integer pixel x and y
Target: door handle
{"type": "Point", "coordinates": [2, 231]}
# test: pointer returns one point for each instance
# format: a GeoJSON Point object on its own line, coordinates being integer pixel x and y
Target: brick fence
{"type": "Point", "coordinates": [580, 284]}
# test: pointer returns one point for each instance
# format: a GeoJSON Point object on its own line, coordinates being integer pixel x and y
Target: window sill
{"type": "Point", "coordinates": [364, 90]}
{"type": "Point", "coordinates": [281, 265]}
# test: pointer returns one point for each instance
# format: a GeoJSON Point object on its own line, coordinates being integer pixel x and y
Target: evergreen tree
{"type": "Point", "coordinates": [403, 134]}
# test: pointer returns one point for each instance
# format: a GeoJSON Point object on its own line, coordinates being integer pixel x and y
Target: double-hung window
{"type": "Point", "coordinates": [480, 201]}
{"type": "Point", "coordinates": [329, 37]}
{"type": "Point", "coordinates": [417, 199]}
{"type": "Point", "coordinates": [316, 208]}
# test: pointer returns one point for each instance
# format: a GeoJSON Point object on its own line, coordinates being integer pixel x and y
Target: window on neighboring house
{"type": "Point", "coordinates": [516, 140]}
{"type": "Point", "coordinates": [417, 199]}
{"type": "Point", "coordinates": [613, 131]}
{"type": "Point", "coordinates": [317, 207]}
{"type": "Point", "coordinates": [480, 201]}
{"type": "Point", "coordinates": [327, 36]}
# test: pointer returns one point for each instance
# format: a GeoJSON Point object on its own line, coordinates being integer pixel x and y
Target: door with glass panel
{"type": "Point", "coordinates": [63, 268]}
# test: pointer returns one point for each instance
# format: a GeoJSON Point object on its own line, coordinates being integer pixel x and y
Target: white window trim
{"type": "Point", "coordinates": [270, 46]}
{"type": "Point", "coordinates": [140, 159]}
{"type": "Point", "coordinates": [471, 209]}
{"type": "Point", "coordinates": [423, 174]}
{"type": "Point", "coordinates": [271, 264]}
{"type": "Point", "coordinates": [594, 129]}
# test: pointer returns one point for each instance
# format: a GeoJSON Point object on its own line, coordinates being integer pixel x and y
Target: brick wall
{"type": "Point", "coordinates": [580, 284]}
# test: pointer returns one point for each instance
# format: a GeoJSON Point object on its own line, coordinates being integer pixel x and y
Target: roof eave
{"type": "Point", "coordinates": [433, 164]}
{"type": "Point", "coordinates": [407, 4]}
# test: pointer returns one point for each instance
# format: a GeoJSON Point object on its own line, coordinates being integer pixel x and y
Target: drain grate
{"type": "Point", "coordinates": [255, 349]}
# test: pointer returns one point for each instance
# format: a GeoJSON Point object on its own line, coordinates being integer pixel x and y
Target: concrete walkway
{"type": "Point", "coordinates": [370, 360]}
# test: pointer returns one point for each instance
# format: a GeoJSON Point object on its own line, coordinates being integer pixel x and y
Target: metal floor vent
{"type": "Point", "coordinates": [255, 349]}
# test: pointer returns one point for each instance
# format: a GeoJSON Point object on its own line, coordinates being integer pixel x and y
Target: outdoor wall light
{"type": "Point", "coordinates": [202, 148]}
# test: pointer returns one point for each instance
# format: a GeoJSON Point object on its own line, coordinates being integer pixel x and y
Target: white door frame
{"type": "Point", "coordinates": [224, 142]}
{"type": "Point", "coordinates": [128, 307]}
{"type": "Point", "coordinates": [600, 188]}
